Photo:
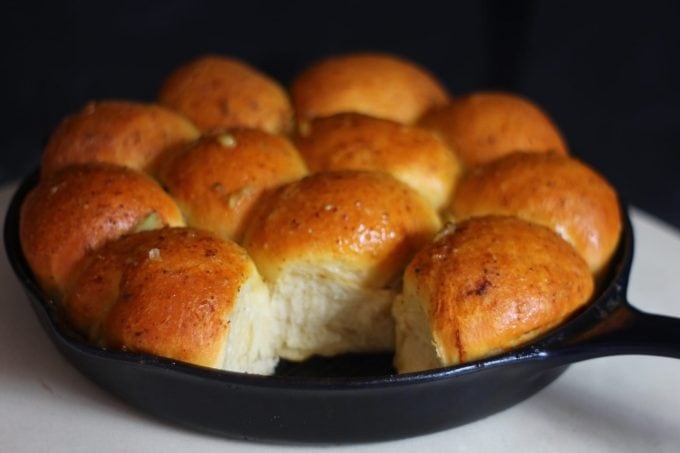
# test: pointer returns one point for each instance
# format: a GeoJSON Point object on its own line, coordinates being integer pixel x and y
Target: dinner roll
{"type": "Point", "coordinates": [178, 293]}
{"type": "Point", "coordinates": [118, 132]}
{"type": "Point", "coordinates": [331, 248]}
{"type": "Point", "coordinates": [487, 286]}
{"type": "Point", "coordinates": [217, 92]}
{"type": "Point", "coordinates": [79, 208]}
{"type": "Point", "coordinates": [380, 85]}
{"type": "Point", "coordinates": [482, 127]}
{"type": "Point", "coordinates": [218, 180]}
{"type": "Point", "coordinates": [553, 190]}
{"type": "Point", "coordinates": [358, 142]}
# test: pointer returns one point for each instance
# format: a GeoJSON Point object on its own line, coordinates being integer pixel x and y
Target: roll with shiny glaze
{"type": "Point", "coordinates": [178, 293]}
{"type": "Point", "coordinates": [557, 191]}
{"type": "Point", "coordinates": [375, 84]}
{"type": "Point", "coordinates": [484, 126]}
{"type": "Point", "coordinates": [332, 247]}
{"type": "Point", "coordinates": [126, 133]}
{"type": "Point", "coordinates": [218, 92]}
{"type": "Point", "coordinates": [352, 141]}
{"type": "Point", "coordinates": [80, 208]}
{"type": "Point", "coordinates": [484, 287]}
{"type": "Point", "coordinates": [218, 180]}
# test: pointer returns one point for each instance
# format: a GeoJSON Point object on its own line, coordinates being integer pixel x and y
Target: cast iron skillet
{"type": "Point", "coordinates": [353, 398]}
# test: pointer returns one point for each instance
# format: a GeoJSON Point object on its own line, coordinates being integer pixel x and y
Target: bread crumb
{"type": "Point", "coordinates": [154, 254]}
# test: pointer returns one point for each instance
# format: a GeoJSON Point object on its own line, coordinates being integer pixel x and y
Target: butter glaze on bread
{"type": "Point", "coordinates": [491, 284]}
{"type": "Point", "coordinates": [375, 84]}
{"type": "Point", "coordinates": [81, 207]}
{"type": "Point", "coordinates": [484, 126]}
{"type": "Point", "coordinates": [218, 92]}
{"type": "Point", "coordinates": [218, 180]}
{"type": "Point", "coordinates": [178, 293]}
{"type": "Point", "coordinates": [125, 133]}
{"type": "Point", "coordinates": [331, 247]}
{"type": "Point", "coordinates": [352, 141]}
{"type": "Point", "coordinates": [557, 191]}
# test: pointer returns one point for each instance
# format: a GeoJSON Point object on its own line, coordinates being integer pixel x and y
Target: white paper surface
{"type": "Point", "coordinates": [616, 404]}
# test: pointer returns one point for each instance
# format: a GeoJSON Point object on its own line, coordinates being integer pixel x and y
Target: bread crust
{"type": "Point", "coordinates": [167, 292]}
{"type": "Point", "coordinates": [125, 133]}
{"type": "Point", "coordinates": [217, 92]}
{"type": "Point", "coordinates": [367, 221]}
{"type": "Point", "coordinates": [80, 208]}
{"type": "Point", "coordinates": [484, 126]}
{"type": "Point", "coordinates": [494, 283]}
{"type": "Point", "coordinates": [376, 84]}
{"type": "Point", "coordinates": [557, 191]}
{"type": "Point", "coordinates": [218, 180]}
{"type": "Point", "coordinates": [352, 141]}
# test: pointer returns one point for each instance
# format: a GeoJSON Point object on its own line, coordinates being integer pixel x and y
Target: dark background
{"type": "Point", "coordinates": [607, 72]}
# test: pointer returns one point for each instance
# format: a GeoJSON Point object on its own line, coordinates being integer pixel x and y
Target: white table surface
{"type": "Point", "coordinates": [626, 403]}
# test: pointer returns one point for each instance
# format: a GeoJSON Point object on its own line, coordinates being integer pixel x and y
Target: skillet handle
{"type": "Point", "coordinates": [623, 330]}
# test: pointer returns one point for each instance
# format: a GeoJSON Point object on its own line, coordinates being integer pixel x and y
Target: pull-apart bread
{"type": "Point", "coordinates": [486, 286]}
{"type": "Point", "coordinates": [557, 191]}
{"type": "Point", "coordinates": [80, 208]}
{"type": "Point", "coordinates": [218, 92]}
{"type": "Point", "coordinates": [178, 293]}
{"type": "Point", "coordinates": [125, 133]}
{"type": "Point", "coordinates": [352, 141]}
{"type": "Point", "coordinates": [332, 247]}
{"type": "Point", "coordinates": [375, 84]}
{"type": "Point", "coordinates": [484, 126]}
{"type": "Point", "coordinates": [300, 235]}
{"type": "Point", "coordinates": [218, 180]}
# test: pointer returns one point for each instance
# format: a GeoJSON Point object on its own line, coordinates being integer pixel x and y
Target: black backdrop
{"type": "Point", "coordinates": [607, 72]}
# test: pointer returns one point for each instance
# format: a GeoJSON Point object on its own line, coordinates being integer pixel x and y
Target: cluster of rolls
{"type": "Point", "coordinates": [233, 223]}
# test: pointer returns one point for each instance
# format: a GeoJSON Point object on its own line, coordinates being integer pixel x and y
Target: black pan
{"type": "Point", "coordinates": [353, 398]}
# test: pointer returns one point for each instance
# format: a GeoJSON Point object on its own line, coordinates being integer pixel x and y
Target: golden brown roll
{"type": "Point", "coordinates": [218, 180]}
{"type": "Point", "coordinates": [178, 293]}
{"type": "Point", "coordinates": [352, 141]}
{"type": "Point", "coordinates": [117, 132]}
{"type": "Point", "coordinates": [379, 85]}
{"type": "Point", "coordinates": [553, 190]}
{"type": "Point", "coordinates": [79, 208]}
{"type": "Point", "coordinates": [482, 127]}
{"type": "Point", "coordinates": [331, 246]}
{"type": "Point", "coordinates": [217, 92]}
{"type": "Point", "coordinates": [491, 284]}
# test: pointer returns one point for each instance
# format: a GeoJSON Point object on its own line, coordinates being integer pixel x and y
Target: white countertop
{"type": "Point", "coordinates": [626, 403]}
